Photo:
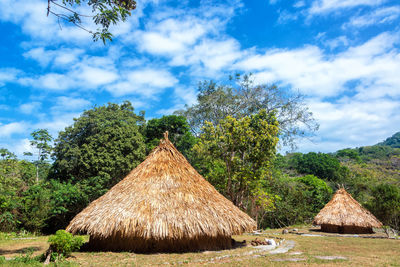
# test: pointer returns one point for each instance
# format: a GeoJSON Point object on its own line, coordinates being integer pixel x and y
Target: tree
{"type": "Point", "coordinates": [317, 192]}
{"type": "Point", "coordinates": [242, 150]}
{"type": "Point", "coordinates": [385, 204]}
{"type": "Point", "coordinates": [178, 131]}
{"type": "Point", "coordinates": [348, 153]}
{"type": "Point", "coordinates": [15, 177]}
{"type": "Point", "coordinates": [41, 140]}
{"type": "Point", "coordinates": [106, 12]}
{"type": "Point", "coordinates": [321, 165]}
{"type": "Point", "coordinates": [66, 201]}
{"type": "Point", "coordinates": [242, 97]}
{"type": "Point", "coordinates": [35, 207]}
{"type": "Point", "coordinates": [100, 148]}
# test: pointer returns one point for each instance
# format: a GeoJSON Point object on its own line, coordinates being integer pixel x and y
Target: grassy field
{"type": "Point", "coordinates": [353, 251]}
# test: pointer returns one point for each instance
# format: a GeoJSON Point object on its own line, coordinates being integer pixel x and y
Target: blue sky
{"type": "Point", "coordinates": [343, 55]}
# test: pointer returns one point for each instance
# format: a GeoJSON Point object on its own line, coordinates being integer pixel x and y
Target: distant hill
{"type": "Point", "coordinates": [393, 141]}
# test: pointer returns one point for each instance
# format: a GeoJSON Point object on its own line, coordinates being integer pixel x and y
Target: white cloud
{"type": "Point", "coordinates": [182, 96]}
{"type": "Point", "coordinates": [65, 103]}
{"type": "Point", "coordinates": [318, 74]}
{"type": "Point", "coordinates": [29, 108]}
{"type": "Point", "coordinates": [212, 55]}
{"type": "Point", "coordinates": [337, 42]}
{"type": "Point", "coordinates": [8, 75]}
{"type": "Point", "coordinates": [378, 16]}
{"type": "Point", "coordinates": [286, 16]}
{"type": "Point", "coordinates": [6, 130]}
{"type": "Point", "coordinates": [299, 4]}
{"type": "Point", "coordinates": [60, 57]}
{"type": "Point", "coordinates": [145, 82]}
{"type": "Point", "coordinates": [31, 15]}
{"type": "Point", "coordinates": [94, 77]}
{"type": "Point", "coordinates": [327, 6]}
{"type": "Point", "coordinates": [90, 72]}
{"type": "Point", "coordinates": [171, 35]}
{"type": "Point", "coordinates": [352, 123]}
{"type": "Point", "coordinates": [53, 81]}
{"type": "Point", "coordinates": [23, 146]}
{"type": "Point", "coordinates": [56, 123]}
{"type": "Point", "coordinates": [193, 38]}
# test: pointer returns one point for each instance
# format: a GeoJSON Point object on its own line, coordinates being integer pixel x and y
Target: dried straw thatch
{"type": "Point", "coordinates": [343, 214]}
{"type": "Point", "coordinates": [162, 205]}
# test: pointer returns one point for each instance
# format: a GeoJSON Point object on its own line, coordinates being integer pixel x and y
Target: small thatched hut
{"type": "Point", "coordinates": [162, 205]}
{"type": "Point", "coordinates": [343, 214]}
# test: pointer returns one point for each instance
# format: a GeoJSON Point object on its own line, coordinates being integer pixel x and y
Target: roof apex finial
{"type": "Point", "coordinates": [166, 135]}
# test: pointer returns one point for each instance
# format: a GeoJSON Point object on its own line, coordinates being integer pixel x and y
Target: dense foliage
{"type": "Point", "coordinates": [243, 148]}
{"type": "Point", "coordinates": [385, 204]}
{"type": "Point", "coordinates": [100, 148]}
{"type": "Point", "coordinates": [178, 129]}
{"type": "Point", "coordinates": [322, 165]}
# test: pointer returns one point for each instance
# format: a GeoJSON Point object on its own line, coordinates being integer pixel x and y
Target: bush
{"type": "Point", "coordinates": [385, 204]}
{"type": "Point", "coordinates": [63, 243]}
{"type": "Point", "coordinates": [317, 192]}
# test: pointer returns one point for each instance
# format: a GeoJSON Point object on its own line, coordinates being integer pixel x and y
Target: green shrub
{"type": "Point", "coordinates": [64, 243]}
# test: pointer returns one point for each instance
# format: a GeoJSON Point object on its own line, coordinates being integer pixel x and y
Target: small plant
{"type": "Point", "coordinates": [63, 243]}
{"type": "Point", "coordinates": [27, 259]}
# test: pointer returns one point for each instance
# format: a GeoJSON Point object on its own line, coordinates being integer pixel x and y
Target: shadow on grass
{"type": "Point", "coordinates": [235, 244]}
{"type": "Point", "coordinates": [20, 250]}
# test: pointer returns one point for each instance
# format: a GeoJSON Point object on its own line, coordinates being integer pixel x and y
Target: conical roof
{"type": "Point", "coordinates": [344, 210]}
{"type": "Point", "coordinates": [162, 198]}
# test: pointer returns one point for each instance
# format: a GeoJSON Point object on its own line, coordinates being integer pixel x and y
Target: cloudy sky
{"type": "Point", "coordinates": [344, 55]}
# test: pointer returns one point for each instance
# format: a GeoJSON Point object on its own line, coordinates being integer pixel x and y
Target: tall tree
{"type": "Point", "coordinates": [178, 129]}
{"type": "Point", "coordinates": [105, 13]}
{"type": "Point", "coordinates": [241, 151]}
{"type": "Point", "coordinates": [41, 142]}
{"type": "Point", "coordinates": [240, 97]}
{"type": "Point", "coordinates": [100, 148]}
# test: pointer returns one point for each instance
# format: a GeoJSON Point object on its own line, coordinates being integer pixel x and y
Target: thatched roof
{"type": "Point", "coordinates": [344, 210]}
{"type": "Point", "coordinates": [162, 198]}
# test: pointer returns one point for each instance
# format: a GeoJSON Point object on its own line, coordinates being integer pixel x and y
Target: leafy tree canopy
{"type": "Point", "coordinates": [348, 153]}
{"type": "Point", "coordinates": [317, 191]}
{"type": "Point", "coordinates": [101, 147]}
{"type": "Point", "coordinates": [241, 97]}
{"type": "Point", "coordinates": [178, 129]}
{"type": "Point", "coordinates": [105, 13]}
{"type": "Point", "coordinates": [386, 204]}
{"type": "Point", "coordinates": [321, 165]}
{"type": "Point", "coordinates": [241, 151]}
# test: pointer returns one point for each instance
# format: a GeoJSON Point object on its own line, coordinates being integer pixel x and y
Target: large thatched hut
{"type": "Point", "coordinates": [161, 205]}
{"type": "Point", "coordinates": [343, 214]}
